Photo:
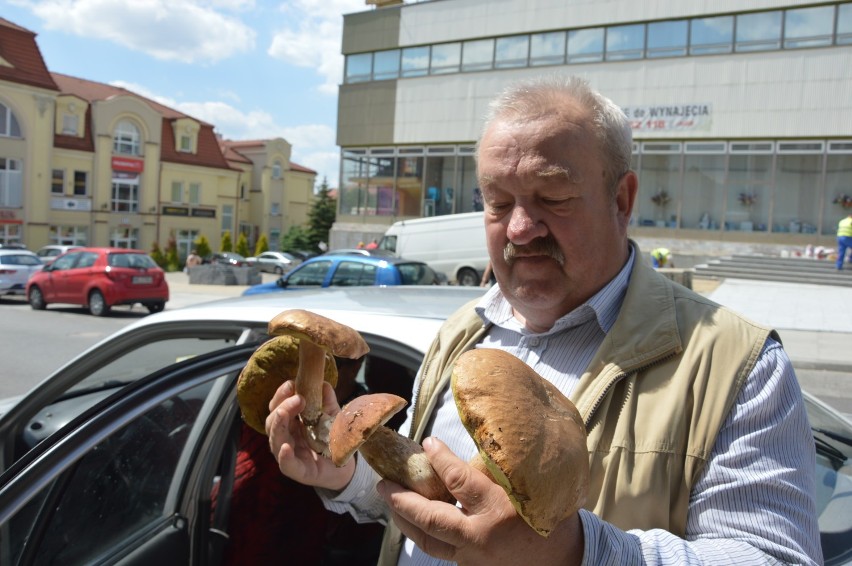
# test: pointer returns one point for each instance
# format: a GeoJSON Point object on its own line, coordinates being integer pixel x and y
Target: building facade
{"type": "Point", "coordinates": [86, 163]}
{"type": "Point", "coordinates": [741, 110]}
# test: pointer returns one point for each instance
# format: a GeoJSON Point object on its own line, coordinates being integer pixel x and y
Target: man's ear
{"type": "Point", "coordinates": [625, 197]}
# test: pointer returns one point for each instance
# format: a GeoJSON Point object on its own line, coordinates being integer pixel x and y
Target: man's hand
{"type": "Point", "coordinates": [486, 530]}
{"type": "Point", "coordinates": [289, 446]}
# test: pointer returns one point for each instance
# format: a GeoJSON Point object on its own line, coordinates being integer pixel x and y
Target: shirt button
{"type": "Point", "coordinates": [533, 342]}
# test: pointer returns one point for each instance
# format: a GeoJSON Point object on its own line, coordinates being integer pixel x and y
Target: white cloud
{"type": "Point", "coordinates": [313, 41]}
{"type": "Point", "coordinates": [174, 30]}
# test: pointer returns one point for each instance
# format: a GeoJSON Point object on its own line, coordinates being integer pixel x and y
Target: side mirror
{"type": "Point", "coordinates": [281, 282]}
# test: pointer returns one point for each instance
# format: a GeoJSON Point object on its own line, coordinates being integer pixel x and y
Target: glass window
{"type": "Point", "coordinates": [57, 182]}
{"type": "Point", "coordinates": [11, 183]}
{"type": "Point", "coordinates": [759, 32]}
{"type": "Point", "coordinates": [808, 27]}
{"type": "Point", "coordinates": [194, 193]}
{"type": "Point", "coordinates": [70, 124]}
{"type": "Point", "coordinates": [512, 52]}
{"type": "Point", "coordinates": [354, 183]}
{"type": "Point", "coordinates": [446, 58]}
{"type": "Point", "coordinates": [797, 190]}
{"type": "Point", "coordinates": [277, 170]}
{"type": "Point", "coordinates": [227, 218]}
{"type": "Point", "coordinates": [838, 191]}
{"type": "Point", "coordinates": [350, 273]}
{"type": "Point", "coordinates": [659, 191]}
{"type": "Point", "coordinates": [415, 61]}
{"type": "Point", "coordinates": [416, 274]}
{"type": "Point", "coordinates": [125, 192]}
{"type": "Point", "coordinates": [311, 274]}
{"type": "Point", "coordinates": [586, 45]}
{"type": "Point", "coordinates": [185, 144]}
{"type": "Point", "coordinates": [748, 192]}
{"type": "Point", "coordinates": [117, 490]}
{"type": "Point", "coordinates": [126, 139]}
{"type": "Point", "coordinates": [69, 235]}
{"type": "Point", "coordinates": [440, 195]}
{"type": "Point", "coordinates": [844, 24]}
{"type": "Point", "coordinates": [711, 35]}
{"type": "Point", "coordinates": [409, 186]}
{"type": "Point", "coordinates": [625, 42]}
{"type": "Point", "coordinates": [177, 191]}
{"type": "Point", "coordinates": [8, 123]}
{"type": "Point", "coordinates": [386, 65]}
{"type": "Point", "coordinates": [703, 191]}
{"type": "Point", "coordinates": [667, 39]}
{"type": "Point", "coordinates": [126, 238]}
{"type": "Point", "coordinates": [81, 183]}
{"type": "Point", "coordinates": [477, 55]}
{"type": "Point", "coordinates": [547, 48]}
{"type": "Point", "coordinates": [359, 67]}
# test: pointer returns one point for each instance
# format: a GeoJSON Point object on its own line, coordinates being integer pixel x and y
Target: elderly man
{"type": "Point", "coordinates": [699, 444]}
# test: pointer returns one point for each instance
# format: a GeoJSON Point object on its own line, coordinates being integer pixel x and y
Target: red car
{"type": "Point", "coordinates": [100, 278]}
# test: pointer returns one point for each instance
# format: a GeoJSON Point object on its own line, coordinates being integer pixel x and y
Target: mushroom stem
{"type": "Point", "coordinates": [401, 460]}
{"type": "Point", "coordinates": [309, 380]}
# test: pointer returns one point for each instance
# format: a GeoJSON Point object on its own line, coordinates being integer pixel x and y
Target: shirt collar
{"type": "Point", "coordinates": [603, 306]}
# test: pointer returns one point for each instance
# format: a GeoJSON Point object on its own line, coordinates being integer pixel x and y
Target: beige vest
{"type": "Point", "coordinates": [653, 398]}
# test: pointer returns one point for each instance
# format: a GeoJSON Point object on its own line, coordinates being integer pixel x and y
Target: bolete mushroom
{"type": "Point", "coordinates": [274, 362]}
{"type": "Point", "coordinates": [359, 426]}
{"type": "Point", "coordinates": [318, 337]}
{"type": "Point", "coordinates": [530, 437]}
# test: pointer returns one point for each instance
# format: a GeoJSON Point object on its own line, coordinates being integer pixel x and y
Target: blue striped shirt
{"type": "Point", "coordinates": [754, 503]}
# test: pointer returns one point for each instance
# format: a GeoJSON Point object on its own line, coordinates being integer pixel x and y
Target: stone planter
{"type": "Point", "coordinates": [218, 274]}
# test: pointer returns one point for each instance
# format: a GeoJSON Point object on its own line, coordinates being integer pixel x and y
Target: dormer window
{"type": "Point", "coordinates": [126, 140]}
{"type": "Point", "coordinates": [186, 135]}
{"type": "Point", "coordinates": [70, 124]}
{"type": "Point", "coordinates": [186, 143]}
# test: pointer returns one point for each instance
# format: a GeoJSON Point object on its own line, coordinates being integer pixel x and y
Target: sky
{"type": "Point", "coordinates": [255, 69]}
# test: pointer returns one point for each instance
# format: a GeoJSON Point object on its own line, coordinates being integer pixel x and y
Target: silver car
{"type": "Point", "coordinates": [16, 268]}
{"type": "Point", "coordinates": [273, 262]}
{"type": "Point", "coordinates": [116, 457]}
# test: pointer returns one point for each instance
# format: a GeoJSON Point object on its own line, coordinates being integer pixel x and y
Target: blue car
{"type": "Point", "coordinates": [348, 270]}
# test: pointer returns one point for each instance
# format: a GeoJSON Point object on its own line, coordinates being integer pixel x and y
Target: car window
{"type": "Point", "coordinates": [136, 261]}
{"type": "Point", "coordinates": [87, 259]}
{"type": "Point", "coordinates": [416, 274]}
{"type": "Point", "coordinates": [350, 273]}
{"type": "Point", "coordinates": [19, 259]}
{"type": "Point", "coordinates": [310, 274]}
{"type": "Point", "coordinates": [117, 489]}
{"type": "Point", "coordinates": [65, 262]}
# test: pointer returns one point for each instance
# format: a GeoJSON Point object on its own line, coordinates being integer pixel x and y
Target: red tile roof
{"type": "Point", "coordinates": [18, 47]}
{"type": "Point", "coordinates": [231, 149]}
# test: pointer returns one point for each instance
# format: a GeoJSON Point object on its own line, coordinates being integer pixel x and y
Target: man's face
{"type": "Point", "coordinates": [548, 204]}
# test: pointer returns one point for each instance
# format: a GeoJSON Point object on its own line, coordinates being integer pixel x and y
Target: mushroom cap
{"type": "Point", "coordinates": [357, 422]}
{"type": "Point", "coordinates": [337, 338]}
{"type": "Point", "coordinates": [274, 362]}
{"type": "Point", "coordinates": [530, 436]}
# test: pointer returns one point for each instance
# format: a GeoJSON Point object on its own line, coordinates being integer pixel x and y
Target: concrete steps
{"type": "Point", "coordinates": [766, 268]}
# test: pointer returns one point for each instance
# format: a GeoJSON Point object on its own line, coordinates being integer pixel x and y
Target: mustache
{"type": "Point", "coordinates": [541, 246]}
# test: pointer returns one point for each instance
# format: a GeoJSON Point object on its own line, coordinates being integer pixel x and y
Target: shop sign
{"type": "Point", "coordinates": [9, 217]}
{"type": "Point", "coordinates": [670, 117]}
{"type": "Point", "coordinates": [175, 211]}
{"type": "Point", "coordinates": [81, 204]}
{"type": "Point", "coordinates": [128, 164]}
{"type": "Point", "coordinates": [204, 212]}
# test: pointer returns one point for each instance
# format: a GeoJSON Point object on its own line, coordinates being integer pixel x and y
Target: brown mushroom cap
{"type": "Point", "coordinates": [339, 339]}
{"type": "Point", "coordinates": [357, 422]}
{"type": "Point", "coordinates": [274, 362]}
{"type": "Point", "coordinates": [531, 437]}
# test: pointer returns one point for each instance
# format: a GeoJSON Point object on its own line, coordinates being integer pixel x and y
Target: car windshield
{"type": "Point", "coordinates": [416, 274]}
{"type": "Point", "coordinates": [136, 261]}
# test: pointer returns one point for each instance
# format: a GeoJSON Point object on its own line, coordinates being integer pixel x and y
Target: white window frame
{"type": "Point", "coordinates": [11, 183]}
{"type": "Point", "coordinates": [195, 193]}
{"type": "Point", "coordinates": [127, 139]}
{"type": "Point", "coordinates": [177, 192]}
{"type": "Point", "coordinates": [54, 178]}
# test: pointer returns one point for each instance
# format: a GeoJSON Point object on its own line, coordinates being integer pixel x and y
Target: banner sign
{"type": "Point", "coordinates": [175, 211]}
{"type": "Point", "coordinates": [203, 212]}
{"type": "Point", "coordinates": [670, 117]}
{"type": "Point", "coordinates": [128, 164]}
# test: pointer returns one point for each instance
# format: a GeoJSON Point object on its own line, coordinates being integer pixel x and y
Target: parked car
{"type": "Point", "coordinates": [226, 258]}
{"type": "Point", "coordinates": [100, 278]}
{"type": "Point", "coordinates": [114, 457]}
{"type": "Point", "coordinates": [50, 252]}
{"type": "Point", "coordinates": [301, 255]}
{"type": "Point", "coordinates": [348, 271]}
{"type": "Point", "coordinates": [375, 252]}
{"type": "Point", "coordinates": [16, 268]}
{"type": "Point", "coordinates": [274, 262]}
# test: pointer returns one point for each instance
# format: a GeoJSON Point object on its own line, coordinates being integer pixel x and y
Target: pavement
{"type": "Point", "coordinates": [814, 321]}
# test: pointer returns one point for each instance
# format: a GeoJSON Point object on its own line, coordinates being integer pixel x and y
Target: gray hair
{"type": "Point", "coordinates": [534, 97]}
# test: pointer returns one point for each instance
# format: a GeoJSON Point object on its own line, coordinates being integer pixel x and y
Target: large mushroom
{"type": "Point", "coordinates": [360, 427]}
{"type": "Point", "coordinates": [319, 338]}
{"type": "Point", "coordinates": [531, 438]}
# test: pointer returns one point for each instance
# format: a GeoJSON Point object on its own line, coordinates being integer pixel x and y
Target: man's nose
{"type": "Point", "coordinates": [524, 226]}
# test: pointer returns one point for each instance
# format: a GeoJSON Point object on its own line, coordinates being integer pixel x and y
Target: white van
{"type": "Point", "coordinates": [453, 244]}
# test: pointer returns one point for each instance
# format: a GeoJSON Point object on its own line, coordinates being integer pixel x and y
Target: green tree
{"type": "Point", "coordinates": [172, 259]}
{"type": "Point", "coordinates": [226, 245]}
{"type": "Point", "coordinates": [262, 245]}
{"type": "Point", "coordinates": [321, 216]}
{"type": "Point", "coordinates": [202, 246]}
{"type": "Point", "coordinates": [242, 245]}
{"type": "Point", "coordinates": [158, 256]}
{"type": "Point", "coordinates": [296, 238]}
